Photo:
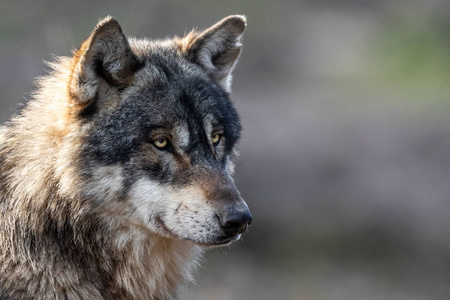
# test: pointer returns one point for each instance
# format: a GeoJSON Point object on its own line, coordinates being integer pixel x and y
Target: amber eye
{"type": "Point", "coordinates": [215, 138]}
{"type": "Point", "coordinates": [160, 142]}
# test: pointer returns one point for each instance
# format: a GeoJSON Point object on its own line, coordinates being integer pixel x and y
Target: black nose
{"type": "Point", "coordinates": [235, 221]}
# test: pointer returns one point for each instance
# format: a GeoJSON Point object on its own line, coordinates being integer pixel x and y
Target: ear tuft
{"type": "Point", "coordinates": [105, 55]}
{"type": "Point", "coordinates": [217, 49]}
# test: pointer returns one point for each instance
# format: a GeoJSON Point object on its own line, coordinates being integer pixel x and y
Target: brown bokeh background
{"type": "Point", "coordinates": [345, 156]}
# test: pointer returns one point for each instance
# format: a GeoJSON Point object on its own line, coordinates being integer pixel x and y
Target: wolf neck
{"type": "Point", "coordinates": [149, 266]}
{"type": "Point", "coordinates": [154, 266]}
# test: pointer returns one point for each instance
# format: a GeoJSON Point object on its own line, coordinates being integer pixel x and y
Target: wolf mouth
{"type": "Point", "coordinates": [224, 240]}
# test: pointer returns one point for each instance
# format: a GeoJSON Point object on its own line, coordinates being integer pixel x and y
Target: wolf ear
{"type": "Point", "coordinates": [105, 55]}
{"type": "Point", "coordinates": [216, 49]}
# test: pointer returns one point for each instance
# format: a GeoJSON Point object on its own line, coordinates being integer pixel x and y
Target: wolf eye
{"type": "Point", "coordinates": [215, 138]}
{"type": "Point", "coordinates": [160, 142]}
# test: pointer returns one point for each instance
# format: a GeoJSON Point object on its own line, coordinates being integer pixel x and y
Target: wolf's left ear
{"type": "Point", "coordinates": [216, 49]}
{"type": "Point", "coordinates": [104, 56]}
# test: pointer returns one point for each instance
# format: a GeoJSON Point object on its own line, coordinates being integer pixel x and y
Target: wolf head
{"type": "Point", "coordinates": [159, 130]}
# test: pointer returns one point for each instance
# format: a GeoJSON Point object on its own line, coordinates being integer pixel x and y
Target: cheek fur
{"type": "Point", "coordinates": [149, 199]}
{"type": "Point", "coordinates": [181, 213]}
{"type": "Point", "coordinates": [106, 183]}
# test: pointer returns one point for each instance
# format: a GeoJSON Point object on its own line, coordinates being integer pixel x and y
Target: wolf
{"type": "Point", "coordinates": [118, 173]}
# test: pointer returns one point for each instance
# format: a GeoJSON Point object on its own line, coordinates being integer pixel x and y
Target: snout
{"type": "Point", "coordinates": [235, 220]}
{"type": "Point", "coordinates": [230, 215]}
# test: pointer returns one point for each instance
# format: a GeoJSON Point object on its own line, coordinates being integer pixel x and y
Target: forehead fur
{"type": "Point", "coordinates": [170, 82]}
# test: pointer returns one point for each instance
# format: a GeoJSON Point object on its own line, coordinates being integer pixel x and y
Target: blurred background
{"type": "Point", "coordinates": [345, 156]}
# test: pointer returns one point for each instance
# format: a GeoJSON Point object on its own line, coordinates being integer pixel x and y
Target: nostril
{"type": "Point", "coordinates": [235, 220]}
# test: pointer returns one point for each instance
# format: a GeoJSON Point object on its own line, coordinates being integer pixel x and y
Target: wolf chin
{"type": "Point", "coordinates": [117, 174]}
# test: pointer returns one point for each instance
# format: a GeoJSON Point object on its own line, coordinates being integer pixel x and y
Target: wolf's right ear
{"type": "Point", "coordinates": [105, 55]}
